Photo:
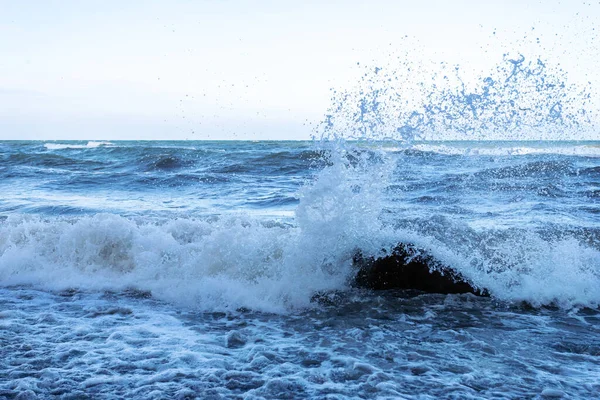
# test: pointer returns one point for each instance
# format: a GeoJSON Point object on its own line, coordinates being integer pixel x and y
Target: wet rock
{"type": "Point", "coordinates": [408, 267]}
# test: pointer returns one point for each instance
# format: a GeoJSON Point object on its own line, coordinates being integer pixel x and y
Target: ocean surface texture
{"type": "Point", "coordinates": [154, 270]}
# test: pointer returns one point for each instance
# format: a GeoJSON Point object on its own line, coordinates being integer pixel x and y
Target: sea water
{"type": "Point", "coordinates": [224, 269]}
{"type": "Point", "coordinates": [198, 269]}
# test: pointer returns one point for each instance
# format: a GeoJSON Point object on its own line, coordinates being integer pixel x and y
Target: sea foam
{"type": "Point", "coordinates": [89, 145]}
{"type": "Point", "coordinates": [240, 260]}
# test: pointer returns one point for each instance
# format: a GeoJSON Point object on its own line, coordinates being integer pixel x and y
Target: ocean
{"type": "Point", "coordinates": [225, 269]}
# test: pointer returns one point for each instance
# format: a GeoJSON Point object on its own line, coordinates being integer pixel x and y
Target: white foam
{"type": "Point", "coordinates": [235, 261]}
{"type": "Point", "coordinates": [526, 267]}
{"type": "Point", "coordinates": [473, 149]}
{"type": "Point", "coordinates": [244, 261]}
{"type": "Point", "coordinates": [62, 146]}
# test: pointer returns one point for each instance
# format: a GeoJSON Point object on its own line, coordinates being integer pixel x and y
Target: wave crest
{"type": "Point", "coordinates": [242, 261]}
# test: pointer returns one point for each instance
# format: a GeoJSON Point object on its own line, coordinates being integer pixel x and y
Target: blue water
{"type": "Point", "coordinates": [189, 269]}
{"type": "Point", "coordinates": [193, 177]}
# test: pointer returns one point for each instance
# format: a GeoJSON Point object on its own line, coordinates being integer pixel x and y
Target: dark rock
{"type": "Point", "coordinates": [408, 267]}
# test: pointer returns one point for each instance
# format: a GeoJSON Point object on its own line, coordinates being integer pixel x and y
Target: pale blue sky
{"type": "Point", "coordinates": [245, 69]}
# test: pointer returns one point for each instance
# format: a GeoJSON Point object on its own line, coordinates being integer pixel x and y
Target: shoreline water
{"type": "Point", "coordinates": [189, 270]}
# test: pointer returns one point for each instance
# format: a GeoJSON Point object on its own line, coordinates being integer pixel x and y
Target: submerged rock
{"type": "Point", "coordinates": [408, 267]}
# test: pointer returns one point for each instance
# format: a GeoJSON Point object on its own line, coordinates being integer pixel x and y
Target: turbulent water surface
{"type": "Point", "coordinates": [224, 269]}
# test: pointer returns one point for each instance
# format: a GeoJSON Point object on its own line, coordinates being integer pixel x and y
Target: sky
{"type": "Point", "coordinates": [233, 69]}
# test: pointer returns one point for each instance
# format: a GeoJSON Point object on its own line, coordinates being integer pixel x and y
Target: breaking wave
{"type": "Point", "coordinates": [238, 261]}
{"type": "Point", "coordinates": [63, 146]}
{"type": "Point", "coordinates": [356, 195]}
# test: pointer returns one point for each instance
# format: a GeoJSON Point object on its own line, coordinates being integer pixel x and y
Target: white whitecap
{"type": "Point", "coordinates": [89, 145]}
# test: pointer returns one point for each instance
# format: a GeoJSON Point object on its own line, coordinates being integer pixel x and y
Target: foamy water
{"type": "Point", "coordinates": [207, 269]}
{"type": "Point", "coordinates": [225, 269]}
{"type": "Point", "coordinates": [89, 145]}
{"type": "Point", "coordinates": [494, 220]}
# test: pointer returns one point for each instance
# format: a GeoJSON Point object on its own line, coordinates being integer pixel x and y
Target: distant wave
{"type": "Point", "coordinates": [584, 150]}
{"type": "Point", "coordinates": [89, 145]}
{"type": "Point", "coordinates": [501, 148]}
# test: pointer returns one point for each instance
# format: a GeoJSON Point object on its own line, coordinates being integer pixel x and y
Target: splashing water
{"type": "Point", "coordinates": [520, 99]}
{"type": "Point", "coordinates": [224, 269]}
{"type": "Point", "coordinates": [520, 253]}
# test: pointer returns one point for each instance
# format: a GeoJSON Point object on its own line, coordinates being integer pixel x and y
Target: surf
{"type": "Point", "coordinates": [267, 226]}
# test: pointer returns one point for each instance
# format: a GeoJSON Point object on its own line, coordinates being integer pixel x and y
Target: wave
{"type": "Point", "coordinates": [63, 146]}
{"type": "Point", "coordinates": [238, 262]}
{"type": "Point", "coordinates": [495, 149]}
{"type": "Point", "coordinates": [269, 266]}
{"type": "Point", "coordinates": [144, 166]}
{"type": "Point", "coordinates": [49, 161]}
{"type": "Point", "coordinates": [228, 262]}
